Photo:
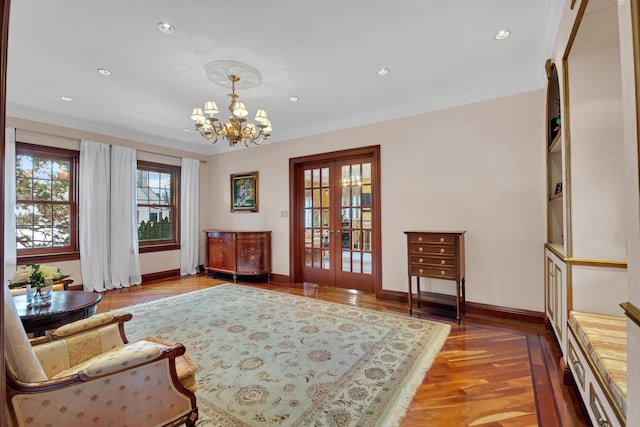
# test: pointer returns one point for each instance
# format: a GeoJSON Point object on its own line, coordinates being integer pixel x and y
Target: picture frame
{"type": "Point", "coordinates": [244, 192]}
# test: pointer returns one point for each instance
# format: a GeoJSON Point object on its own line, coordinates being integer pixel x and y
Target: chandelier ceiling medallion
{"type": "Point", "coordinates": [236, 129]}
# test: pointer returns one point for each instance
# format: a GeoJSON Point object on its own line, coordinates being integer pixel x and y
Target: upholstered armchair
{"type": "Point", "coordinates": [87, 373]}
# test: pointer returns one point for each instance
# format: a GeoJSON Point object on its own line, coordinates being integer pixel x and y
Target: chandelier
{"type": "Point", "coordinates": [236, 129]}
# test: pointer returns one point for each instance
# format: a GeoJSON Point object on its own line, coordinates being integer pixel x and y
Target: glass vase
{"type": "Point", "coordinates": [43, 296]}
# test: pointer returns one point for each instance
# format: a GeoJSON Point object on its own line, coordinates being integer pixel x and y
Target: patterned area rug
{"type": "Point", "coordinates": [271, 359]}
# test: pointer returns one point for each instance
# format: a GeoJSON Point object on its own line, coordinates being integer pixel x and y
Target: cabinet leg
{"type": "Point", "coordinates": [410, 298]}
{"type": "Point", "coordinates": [464, 299]}
{"type": "Point", "coordinates": [458, 302]}
{"type": "Point", "coordinates": [235, 278]}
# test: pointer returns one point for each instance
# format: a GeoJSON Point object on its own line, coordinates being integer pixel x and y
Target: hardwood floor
{"type": "Point", "coordinates": [490, 372]}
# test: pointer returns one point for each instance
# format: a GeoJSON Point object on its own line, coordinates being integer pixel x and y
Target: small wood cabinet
{"type": "Point", "coordinates": [240, 253]}
{"type": "Point", "coordinates": [438, 255]}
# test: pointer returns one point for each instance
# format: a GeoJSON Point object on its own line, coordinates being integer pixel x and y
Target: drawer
{"type": "Point", "coordinates": [447, 251]}
{"type": "Point", "coordinates": [577, 365]}
{"type": "Point", "coordinates": [426, 271]}
{"type": "Point", "coordinates": [599, 411]}
{"type": "Point", "coordinates": [432, 261]}
{"type": "Point", "coordinates": [441, 239]}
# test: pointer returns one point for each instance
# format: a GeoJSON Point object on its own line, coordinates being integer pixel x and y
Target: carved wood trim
{"type": "Point", "coordinates": [631, 311]}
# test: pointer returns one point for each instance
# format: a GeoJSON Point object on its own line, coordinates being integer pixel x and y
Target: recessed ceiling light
{"type": "Point", "coordinates": [66, 98]}
{"type": "Point", "coordinates": [104, 72]}
{"type": "Point", "coordinates": [383, 71]}
{"type": "Point", "coordinates": [165, 27]}
{"type": "Point", "coordinates": [293, 98]}
{"type": "Point", "coordinates": [502, 34]}
{"type": "Point", "coordinates": [186, 129]}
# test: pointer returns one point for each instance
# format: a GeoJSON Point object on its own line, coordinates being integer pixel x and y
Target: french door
{"type": "Point", "coordinates": [337, 219]}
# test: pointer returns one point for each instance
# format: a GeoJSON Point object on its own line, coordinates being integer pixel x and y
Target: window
{"type": "Point", "coordinates": [46, 203]}
{"type": "Point", "coordinates": [157, 192]}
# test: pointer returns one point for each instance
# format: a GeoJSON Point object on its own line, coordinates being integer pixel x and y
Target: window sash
{"type": "Point", "coordinates": [172, 241]}
{"type": "Point", "coordinates": [53, 252]}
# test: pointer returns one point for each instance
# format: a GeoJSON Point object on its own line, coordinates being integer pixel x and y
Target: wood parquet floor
{"type": "Point", "coordinates": [490, 372]}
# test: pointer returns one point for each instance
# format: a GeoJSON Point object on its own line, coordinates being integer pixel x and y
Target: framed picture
{"type": "Point", "coordinates": [244, 192]}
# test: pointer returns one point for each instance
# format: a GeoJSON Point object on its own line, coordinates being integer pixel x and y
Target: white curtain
{"type": "Point", "coordinates": [189, 206]}
{"type": "Point", "coordinates": [94, 215]}
{"type": "Point", "coordinates": [10, 203]}
{"type": "Point", "coordinates": [125, 263]}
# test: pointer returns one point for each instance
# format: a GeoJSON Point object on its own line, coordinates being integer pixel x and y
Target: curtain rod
{"type": "Point", "coordinates": [168, 155]}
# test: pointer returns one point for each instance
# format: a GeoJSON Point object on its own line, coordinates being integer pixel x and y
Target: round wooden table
{"type": "Point", "coordinates": [65, 307]}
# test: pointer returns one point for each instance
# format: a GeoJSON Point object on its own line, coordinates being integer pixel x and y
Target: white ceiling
{"type": "Point", "coordinates": [440, 53]}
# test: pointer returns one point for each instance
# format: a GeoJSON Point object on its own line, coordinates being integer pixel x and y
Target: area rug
{"type": "Point", "coordinates": [271, 359]}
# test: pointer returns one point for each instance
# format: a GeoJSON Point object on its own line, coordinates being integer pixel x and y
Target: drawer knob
{"type": "Point", "coordinates": [442, 240]}
{"type": "Point", "coordinates": [420, 239]}
{"type": "Point", "coordinates": [442, 250]}
{"type": "Point", "coordinates": [420, 249]}
{"type": "Point", "coordinates": [442, 262]}
{"type": "Point", "coordinates": [421, 271]}
{"type": "Point", "coordinates": [443, 272]}
{"type": "Point", "coordinates": [420, 260]}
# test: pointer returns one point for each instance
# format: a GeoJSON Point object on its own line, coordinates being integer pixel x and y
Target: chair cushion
{"type": "Point", "coordinates": [19, 355]}
{"type": "Point", "coordinates": [605, 339]}
{"type": "Point", "coordinates": [185, 367]}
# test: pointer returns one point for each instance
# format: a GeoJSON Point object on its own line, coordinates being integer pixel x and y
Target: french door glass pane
{"type": "Point", "coordinates": [325, 259]}
{"type": "Point", "coordinates": [325, 177]}
{"type": "Point", "coordinates": [356, 218]}
{"type": "Point", "coordinates": [366, 263]}
{"type": "Point", "coordinates": [317, 259]}
{"type": "Point", "coordinates": [366, 218]}
{"type": "Point", "coordinates": [325, 197]}
{"type": "Point", "coordinates": [325, 218]}
{"type": "Point", "coordinates": [346, 261]}
{"type": "Point", "coordinates": [366, 173]}
{"type": "Point", "coordinates": [308, 216]}
{"type": "Point", "coordinates": [366, 240]}
{"type": "Point", "coordinates": [307, 178]}
{"type": "Point", "coordinates": [355, 195]}
{"type": "Point", "coordinates": [346, 196]}
{"type": "Point", "coordinates": [307, 199]}
{"type": "Point", "coordinates": [366, 195]}
{"type": "Point", "coordinates": [355, 265]}
{"type": "Point", "coordinates": [308, 257]}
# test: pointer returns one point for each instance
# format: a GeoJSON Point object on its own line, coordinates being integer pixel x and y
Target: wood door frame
{"type": "Point", "coordinates": [4, 39]}
{"type": "Point", "coordinates": [295, 218]}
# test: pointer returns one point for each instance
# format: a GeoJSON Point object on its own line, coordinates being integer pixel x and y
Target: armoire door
{"type": "Point", "coordinates": [337, 229]}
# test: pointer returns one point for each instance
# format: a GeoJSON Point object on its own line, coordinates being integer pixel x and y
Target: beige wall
{"type": "Point", "coordinates": [478, 167]}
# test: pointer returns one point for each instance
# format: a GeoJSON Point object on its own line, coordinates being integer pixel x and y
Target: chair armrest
{"type": "Point", "coordinates": [123, 358]}
{"type": "Point", "coordinates": [90, 323]}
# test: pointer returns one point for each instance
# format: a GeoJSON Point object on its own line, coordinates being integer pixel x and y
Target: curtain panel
{"type": "Point", "coordinates": [124, 259]}
{"type": "Point", "coordinates": [108, 230]}
{"type": "Point", "coordinates": [189, 216]}
{"type": "Point", "coordinates": [10, 250]}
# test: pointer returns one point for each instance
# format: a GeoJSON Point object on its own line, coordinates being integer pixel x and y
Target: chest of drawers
{"type": "Point", "coordinates": [438, 255]}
